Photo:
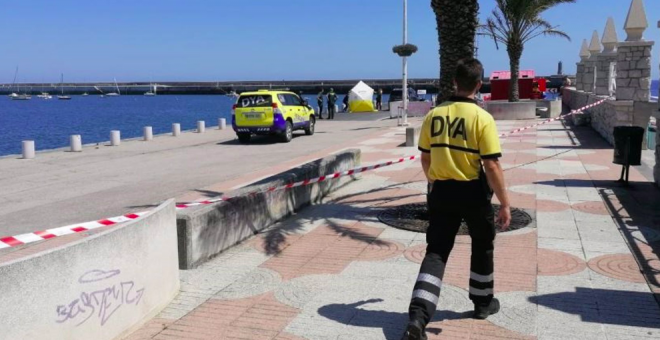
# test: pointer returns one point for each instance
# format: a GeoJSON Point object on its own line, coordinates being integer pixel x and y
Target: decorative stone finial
{"type": "Point", "coordinates": [584, 51]}
{"type": "Point", "coordinates": [636, 22]}
{"type": "Point", "coordinates": [595, 47]}
{"type": "Point", "coordinates": [610, 39]}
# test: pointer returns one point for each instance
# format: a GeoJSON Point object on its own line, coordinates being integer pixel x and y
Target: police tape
{"type": "Point", "coordinates": [306, 182]}
{"type": "Point", "coordinates": [13, 241]}
{"type": "Point", "coordinates": [576, 111]}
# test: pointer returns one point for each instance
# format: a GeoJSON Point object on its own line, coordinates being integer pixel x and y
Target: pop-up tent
{"type": "Point", "coordinates": [360, 99]}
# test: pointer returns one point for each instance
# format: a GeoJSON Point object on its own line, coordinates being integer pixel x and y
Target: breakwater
{"type": "Point", "coordinates": [306, 86]}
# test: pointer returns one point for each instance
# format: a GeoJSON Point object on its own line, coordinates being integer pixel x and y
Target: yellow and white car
{"type": "Point", "coordinates": [267, 112]}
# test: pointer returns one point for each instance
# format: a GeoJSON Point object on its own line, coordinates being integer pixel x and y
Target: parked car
{"type": "Point", "coordinates": [267, 112]}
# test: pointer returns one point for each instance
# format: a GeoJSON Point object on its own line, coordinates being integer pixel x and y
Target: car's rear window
{"type": "Point", "coordinates": [255, 100]}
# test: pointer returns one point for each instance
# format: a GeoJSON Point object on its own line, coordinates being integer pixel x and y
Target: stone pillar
{"type": "Point", "coordinates": [584, 56]}
{"type": "Point", "coordinates": [589, 78]}
{"type": "Point", "coordinates": [633, 80]}
{"type": "Point", "coordinates": [606, 64]}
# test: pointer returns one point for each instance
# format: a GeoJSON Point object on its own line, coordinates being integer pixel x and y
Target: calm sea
{"type": "Point", "coordinates": [50, 122]}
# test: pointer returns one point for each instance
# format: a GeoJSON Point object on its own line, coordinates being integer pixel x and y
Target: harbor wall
{"type": "Point", "coordinates": [207, 230]}
{"type": "Point", "coordinates": [101, 287]}
{"type": "Point", "coordinates": [604, 117]}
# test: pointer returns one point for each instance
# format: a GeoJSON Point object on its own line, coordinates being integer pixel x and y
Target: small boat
{"type": "Point", "coordinates": [44, 95]}
{"type": "Point", "coordinates": [63, 97]}
{"type": "Point", "coordinates": [85, 94]}
{"type": "Point", "coordinates": [22, 97]}
{"type": "Point", "coordinates": [153, 92]}
{"type": "Point", "coordinates": [114, 94]}
{"type": "Point", "coordinates": [13, 95]}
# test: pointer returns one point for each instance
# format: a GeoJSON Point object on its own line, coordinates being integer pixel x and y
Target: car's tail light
{"type": "Point", "coordinates": [233, 109]}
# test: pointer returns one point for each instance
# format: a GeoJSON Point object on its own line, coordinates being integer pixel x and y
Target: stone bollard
{"type": "Point", "coordinates": [222, 124]}
{"type": "Point", "coordinates": [176, 129]}
{"type": "Point", "coordinates": [28, 149]}
{"type": "Point", "coordinates": [115, 138]}
{"type": "Point", "coordinates": [76, 143]}
{"type": "Point", "coordinates": [148, 132]}
{"type": "Point", "coordinates": [201, 126]}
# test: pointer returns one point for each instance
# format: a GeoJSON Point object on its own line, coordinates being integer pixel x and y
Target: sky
{"type": "Point", "coordinates": [232, 40]}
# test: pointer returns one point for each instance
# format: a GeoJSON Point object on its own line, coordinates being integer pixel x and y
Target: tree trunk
{"type": "Point", "coordinates": [457, 25]}
{"type": "Point", "coordinates": [515, 53]}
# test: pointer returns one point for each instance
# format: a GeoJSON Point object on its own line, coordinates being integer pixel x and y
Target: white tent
{"type": "Point", "coordinates": [360, 98]}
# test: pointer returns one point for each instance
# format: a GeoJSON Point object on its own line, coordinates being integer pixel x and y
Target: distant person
{"type": "Point", "coordinates": [566, 83]}
{"type": "Point", "coordinates": [379, 100]}
{"type": "Point", "coordinates": [345, 102]}
{"type": "Point", "coordinates": [332, 101]}
{"type": "Point", "coordinates": [319, 102]}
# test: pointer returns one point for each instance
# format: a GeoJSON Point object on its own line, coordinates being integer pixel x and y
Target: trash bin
{"type": "Point", "coordinates": [628, 145]}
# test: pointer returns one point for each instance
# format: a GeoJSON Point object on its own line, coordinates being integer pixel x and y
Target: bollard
{"type": "Point", "coordinates": [148, 133]}
{"type": "Point", "coordinates": [201, 126]}
{"type": "Point", "coordinates": [76, 143]}
{"type": "Point", "coordinates": [176, 129]}
{"type": "Point", "coordinates": [28, 149]}
{"type": "Point", "coordinates": [222, 124]}
{"type": "Point", "coordinates": [115, 138]}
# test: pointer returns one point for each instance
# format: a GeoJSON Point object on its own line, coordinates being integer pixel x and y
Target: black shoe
{"type": "Point", "coordinates": [481, 312]}
{"type": "Point", "coordinates": [415, 331]}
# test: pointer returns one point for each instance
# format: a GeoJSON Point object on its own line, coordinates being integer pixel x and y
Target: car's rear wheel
{"type": "Point", "coordinates": [287, 135]}
{"type": "Point", "coordinates": [312, 124]}
{"type": "Point", "coordinates": [244, 137]}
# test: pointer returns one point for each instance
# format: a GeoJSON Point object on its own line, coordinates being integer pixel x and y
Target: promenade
{"type": "Point", "coordinates": [586, 269]}
{"type": "Point", "coordinates": [59, 188]}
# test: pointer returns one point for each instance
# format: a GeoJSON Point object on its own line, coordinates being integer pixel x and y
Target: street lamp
{"type": "Point", "coordinates": [404, 51]}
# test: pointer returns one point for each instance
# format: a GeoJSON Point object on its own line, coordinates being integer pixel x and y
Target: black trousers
{"type": "Point", "coordinates": [331, 111]}
{"type": "Point", "coordinates": [320, 109]}
{"type": "Point", "coordinates": [449, 203]}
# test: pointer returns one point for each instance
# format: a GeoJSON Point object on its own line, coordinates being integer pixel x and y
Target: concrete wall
{"type": "Point", "coordinates": [553, 108]}
{"type": "Point", "coordinates": [603, 118]}
{"type": "Point", "coordinates": [205, 231]}
{"type": "Point", "coordinates": [503, 110]}
{"type": "Point", "coordinates": [100, 287]}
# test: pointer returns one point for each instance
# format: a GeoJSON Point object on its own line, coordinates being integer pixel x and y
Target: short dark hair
{"type": "Point", "coordinates": [468, 74]}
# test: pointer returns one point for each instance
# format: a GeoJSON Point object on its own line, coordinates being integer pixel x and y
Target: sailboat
{"type": "Point", "coordinates": [63, 97]}
{"type": "Point", "coordinates": [14, 94]}
{"type": "Point", "coordinates": [152, 93]}
{"type": "Point", "coordinates": [114, 94]}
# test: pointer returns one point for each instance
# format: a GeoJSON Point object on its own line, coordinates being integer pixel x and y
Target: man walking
{"type": "Point", "coordinates": [319, 101]}
{"type": "Point", "coordinates": [460, 151]}
{"type": "Point", "coordinates": [332, 100]}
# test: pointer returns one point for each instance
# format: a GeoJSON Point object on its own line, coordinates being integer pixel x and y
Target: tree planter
{"type": "Point", "coordinates": [405, 50]}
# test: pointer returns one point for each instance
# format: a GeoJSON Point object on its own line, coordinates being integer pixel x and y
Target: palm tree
{"type": "Point", "coordinates": [514, 23]}
{"type": "Point", "coordinates": [457, 25]}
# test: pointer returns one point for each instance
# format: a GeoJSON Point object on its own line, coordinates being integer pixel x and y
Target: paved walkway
{"type": "Point", "coordinates": [335, 272]}
{"type": "Point", "coordinates": [59, 188]}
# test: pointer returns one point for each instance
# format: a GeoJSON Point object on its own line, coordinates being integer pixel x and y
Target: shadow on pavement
{"type": "Point", "coordinates": [275, 237]}
{"type": "Point", "coordinates": [605, 306]}
{"type": "Point", "coordinates": [393, 324]}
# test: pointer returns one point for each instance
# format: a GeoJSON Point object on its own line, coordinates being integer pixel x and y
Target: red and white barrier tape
{"type": "Point", "coordinates": [13, 241]}
{"type": "Point", "coordinates": [301, 183]}
{"type": "Point", "coordinates": [576, 111]}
